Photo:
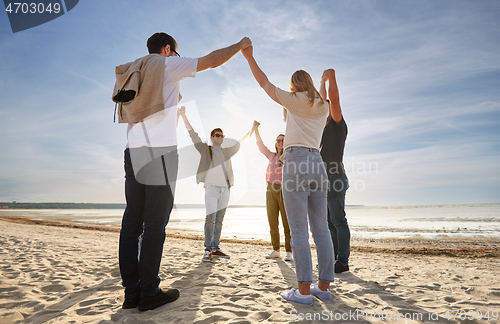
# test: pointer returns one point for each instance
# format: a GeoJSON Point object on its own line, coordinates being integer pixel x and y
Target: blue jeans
{"type": "Point", "coordinates": [305, 187]}
{"type": "Point", "coordinates": [216, 200]}
{"type": "Point", "coordinates": [142, 232]}
{"type": "Point", "coordinates": [337, 222]}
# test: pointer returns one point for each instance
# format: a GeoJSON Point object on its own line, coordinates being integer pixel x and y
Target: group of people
{"type": "Point", "coordinates": [306, 181]}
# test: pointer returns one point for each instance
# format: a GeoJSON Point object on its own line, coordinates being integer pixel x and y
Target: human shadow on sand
{"type": "Point", "coordinates": [399, 309]}
{"type": "Point", "coordinates": [321, 311]}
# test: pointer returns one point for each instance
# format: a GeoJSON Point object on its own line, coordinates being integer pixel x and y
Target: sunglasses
{"type": "Point", "coordinates": [218, 135]}
{"type": "Point", "coordinates": [173, 50]}
{"type": "Point", "coordinates": [280, 140]}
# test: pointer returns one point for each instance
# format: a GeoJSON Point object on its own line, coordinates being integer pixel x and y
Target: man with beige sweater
{"type": "Point", "coordinates": [147, 94]}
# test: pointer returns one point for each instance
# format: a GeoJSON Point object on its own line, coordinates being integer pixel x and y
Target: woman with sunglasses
{"type": "Point", "coordinates": [274, 197]}
{"type": "Point", "coordinates": [305, 182]}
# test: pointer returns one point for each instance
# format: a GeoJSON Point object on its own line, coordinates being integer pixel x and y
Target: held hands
{"type": "Point", "coordinates": [181, 111]}
{"type": "Point", "coordinates": [327, 75]}
{"type": "Point", "coordinates": [247, 52]}
{"type": "Point", "coordinates": [245, 42]}
{"type": "Point", "coordinates": [246, 47]}
{"type": "Point", "coordinates": [254, 128]}
{"type": "Point", "coordinates": [324, 78]}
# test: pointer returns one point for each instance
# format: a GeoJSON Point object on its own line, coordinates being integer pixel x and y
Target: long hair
{"type": "Point", "coordinates": [276, 146]}
{"type": "Point", "coordinates": [301, 81]}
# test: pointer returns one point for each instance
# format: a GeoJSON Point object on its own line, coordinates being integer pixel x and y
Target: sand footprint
{"type": "Point", "coordinates": [56, 288]}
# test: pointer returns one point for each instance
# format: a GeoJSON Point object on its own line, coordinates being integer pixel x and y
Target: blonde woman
{"type": "Point", "coordinates": [305, 182]}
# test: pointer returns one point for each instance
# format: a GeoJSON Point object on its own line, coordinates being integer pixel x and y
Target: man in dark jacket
{"type": "Point", "coordinates": [216, 173]}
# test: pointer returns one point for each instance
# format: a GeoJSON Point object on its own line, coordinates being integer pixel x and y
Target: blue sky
{"type": "Point", "coordinates": [419, 85]}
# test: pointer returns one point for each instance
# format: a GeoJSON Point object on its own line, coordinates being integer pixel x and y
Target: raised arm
{"type": "Point", "coordinates": [259, 75]}
{"type": "Point", "coordinates": [260, 144]}
{"type": "Point", "coordinates": [221, 56]}
{"type": "Point", "coordinates": [333, 94]}
{"type": "Point", "coordinates": [182, 113]}
{"type": "Point", "coordinates": [247, 135]}
{"type": "Point", "coordinates": [322, 88]}
{"type": "Point", "coordinates": [198, 144]}
{"type": "Point", "coordinates": [255, 129]}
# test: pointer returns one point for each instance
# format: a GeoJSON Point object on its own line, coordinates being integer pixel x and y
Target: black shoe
{"type": "Point", "coordinates": [163, 297]}
{"type": "Point", "coordinates": [131, 302]}
{"type": "Point", "coordinates": [340, 267]}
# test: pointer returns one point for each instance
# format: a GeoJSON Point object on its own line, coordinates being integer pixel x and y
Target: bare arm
{"type": "Point", "coordinates": [333, 94]}
{"type": "Point", "coordinates": [182, 113]}
{"type": "Point", "coordinates": [247, 135]}
{"type": "Point", "coordinates": [259, 75]}
{"type": "Point", "coordinates": [250, 132]}
{"type": "Point", "coordinates": [322, 88]}
{"type": "Point", "coordinates": [255, 129]}
{"type": "Point", "coordinates": [221, 56]}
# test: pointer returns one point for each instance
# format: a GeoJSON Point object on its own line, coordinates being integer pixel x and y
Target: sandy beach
{"type": "Point", "coordinates": [52, 274]}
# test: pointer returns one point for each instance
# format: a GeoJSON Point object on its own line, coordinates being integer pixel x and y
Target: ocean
{"type": "Point", "coordinates": [475, 221]}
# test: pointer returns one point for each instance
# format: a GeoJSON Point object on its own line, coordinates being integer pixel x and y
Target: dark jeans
{"type": "Point", "coordinates": [337, 222]}
{"type": "Point", "coordinates": [143, 225]}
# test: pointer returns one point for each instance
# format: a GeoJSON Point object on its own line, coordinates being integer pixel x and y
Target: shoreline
{"type": "Point", "coordinates": [451, 247]}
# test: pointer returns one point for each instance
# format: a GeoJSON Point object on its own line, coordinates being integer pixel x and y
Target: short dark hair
{"type": "Point", "coordinates": [157, 41]}
{"type": "Point", "coordinates": [216, 130]}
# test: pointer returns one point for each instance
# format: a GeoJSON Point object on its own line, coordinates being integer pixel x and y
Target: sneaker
{"type": "Point", "coordinates": [292, 296]}
{"type": "Point", "coordinates": [323, 295]}
{"type": "Point", "coordinates": [219, 254]}
{"type": "Point", "coordinates": [163, 297]}
{"type": "Point", "coordinates": [207, 257]}
{"type": "Point", "coordinates": [131, 302]}
{"type": "Point", "coordinates": [340, 267]}
{"type": "Point", "coordinates": [289, 256]}
{"type": "Point", "coordinates": [273, 255]}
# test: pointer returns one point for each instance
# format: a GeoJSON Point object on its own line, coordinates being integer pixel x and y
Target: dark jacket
{"type": "Point", "coordinates": [206, 157]}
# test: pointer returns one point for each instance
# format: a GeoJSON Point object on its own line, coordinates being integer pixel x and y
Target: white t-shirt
{"type": "Point", "coordinates": [305, 132]}
{"type": "Point", "coordinates": [159, 130]}
{"type": "Point", "coordinates": [304, 123]}
{"type": "Point", "coordinates": [215, 175]}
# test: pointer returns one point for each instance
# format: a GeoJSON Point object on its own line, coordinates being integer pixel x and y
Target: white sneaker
{"type": "Point", "coordinates": [324, 295]}
{"type": "Point", "coordinates": [207, 257]}
{"type": "Point", "coordinates": [292, 296]}
{"type": "Point", "coordinates": [273, 255]}
{"type": "Point", "coordinates": [289, 256]}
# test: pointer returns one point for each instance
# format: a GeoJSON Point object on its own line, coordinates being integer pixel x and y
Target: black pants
{"type": "Point", "coordinates": [143, 225]}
